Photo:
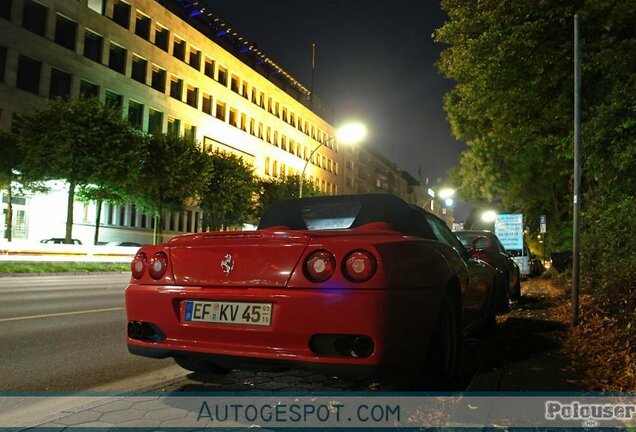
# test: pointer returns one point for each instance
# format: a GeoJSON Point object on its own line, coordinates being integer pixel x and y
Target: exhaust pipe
{"type": "Point", "coordinates": [362, 346]}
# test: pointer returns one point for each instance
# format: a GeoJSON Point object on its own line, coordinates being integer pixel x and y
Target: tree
{"type": "Point", "coordinates": [271, 191]}
{"type": "Point", "coordinates": [512, 103]}
{"type": "Point", "coordinates": [10, 158]}
{"type": "Point", "coordinates": [80, 141]}
{"type": "Point", "coordinates": [227, 198]}
{"type": "Point", "coordinates": [170, 170]}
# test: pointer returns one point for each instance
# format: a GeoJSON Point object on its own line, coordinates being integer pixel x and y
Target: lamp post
{"type": "Point", "coordinates": [350, 133]}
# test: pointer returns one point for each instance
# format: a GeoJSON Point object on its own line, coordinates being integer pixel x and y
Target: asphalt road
{"type": "Point", "coordinates": [67, 333]}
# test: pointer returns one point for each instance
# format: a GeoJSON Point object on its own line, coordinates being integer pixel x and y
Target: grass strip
{"type": "Point", "coordinates": [61, 267]}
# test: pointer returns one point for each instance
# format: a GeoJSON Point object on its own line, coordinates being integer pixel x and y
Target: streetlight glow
{"type": "Point", "coordinates": [449, 202]}
{"type": "Point", "coordinates": [489, 216]}
{"type": "Point", "coordinates": [446, 193]}
{"type": "Point", "coordinates": [349, 133]}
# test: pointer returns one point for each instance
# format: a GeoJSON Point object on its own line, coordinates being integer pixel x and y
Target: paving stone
{"type": "Point", "coordinates": [166, 414]}
{"type": "Point", "coordinates": [119, 417]}
{"type": "Point", "coordinates": [79, 418]}
{"type": "Point", "coordinates": [114, 406]}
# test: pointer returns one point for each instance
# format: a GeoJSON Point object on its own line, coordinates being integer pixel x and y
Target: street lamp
{"type": "Point", "coordinates": [349, 133]}
{"type": "Point", "coordinates": [446, 193]}
{"type": "Point", "coordinates": [489, 216]}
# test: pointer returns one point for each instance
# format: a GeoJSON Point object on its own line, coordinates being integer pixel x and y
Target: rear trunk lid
{"type": "Point", "coordinates": [237, 258]}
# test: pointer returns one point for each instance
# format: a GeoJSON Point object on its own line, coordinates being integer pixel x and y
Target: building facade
{"type": "Point", "coordinates": [171, 68]}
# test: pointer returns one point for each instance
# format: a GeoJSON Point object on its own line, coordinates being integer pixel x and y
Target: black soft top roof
{"type": "Point", "coordinates": [402, 216]}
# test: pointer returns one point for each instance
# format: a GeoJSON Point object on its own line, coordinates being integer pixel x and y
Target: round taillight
{"type": "Point", "coordinates": [157, 265]}
{"type": "Point", "coordinates": [359, 266]}
{"type": "Point", "coordinates": [320, 266]}
{"type": "Point", "coordinates": [138, 265]}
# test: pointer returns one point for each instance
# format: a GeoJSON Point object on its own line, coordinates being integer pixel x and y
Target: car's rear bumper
{"type": "Point", "coordinates": [398, 321]}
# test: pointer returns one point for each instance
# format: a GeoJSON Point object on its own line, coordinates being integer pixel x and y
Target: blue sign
{"type": "Point", "coordinates": [509, 230]}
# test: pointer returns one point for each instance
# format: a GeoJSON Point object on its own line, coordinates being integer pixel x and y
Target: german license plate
{"type": "Point", "coordinates": [228, 312]}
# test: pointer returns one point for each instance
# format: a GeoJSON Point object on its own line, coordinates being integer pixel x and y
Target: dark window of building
{"type": "Point", "coordinates": [88, 89]}
{"type": "Point", "coordinates": [207, 104]}
{"type": "Point", "coordinates": [144, 221]}
{"type": "Point", "coordinates": [29, 71]}
{"type": "Point", "coordinates": [34, 17]}
{"type": "Point", "coordinates": [60, 84]}
{"type": "Point", "coordinates": [233, 117]}
{"type": "Point", "coordinates": [178, 49]}
{"type": "Point", "coordinates": [190, 133]}
{"type": "Point", "coordinates": [97, 6]}
{"type": "Point", "coordinates": [161, 37]}
{"type": "Point", "coordinates": [113, 99]}
{"type": "Point", "coordinates": [139, 66]}
{"type": "Point", "coordinates": [222, 76]}
{"type": "Point", "coordinates": [195, 59]}
{"type": "Point", "coordinates": [192, 96]}
{"type": "Point", "coordinates": [208, 68]}
{"type": "Point", "coordinates": [117, 58]}
{"type": "Point", "coordinates": [234, 84]}
{"type": "Point", "coordinates": [133, 215]}
{"type": "Point", "coordinates": [176, 87]}
{"type": "Point", "coordinates": [158, 79]}
{"type": "Point", "coordinates": [122, 215]}
{"type": "Point", "coordinates": [5, 9]}
{"type": "Point", "coordinates": [3, 62]}
{"type": "Point", "coordinates": [189, 223]}
{"type": "Point", "coordinates": [180, 226]}
{"type": "Point", "coordinates": [142, 26]}
{"type": "Point", "coordinates": [155, 122]}
{"type": "Point", "coordinates": [93, 46]}
{"type": "Point", "coordinates": [135, 114]}
{"type": "Point", "coordinates": [220, 111]}
{"type": "Point", "coordinates": [244, 90]}
{"type": "Point", "coordinates": [121, 13]}
{"type": "Point", "coordinates": [174, 126]}
{"type": "Point", "coordinates": [196, 222]}
{"type": "Point", "coordinates": [65, 32]}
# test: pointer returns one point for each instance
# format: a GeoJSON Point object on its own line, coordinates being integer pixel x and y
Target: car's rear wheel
{"type": "Point", "coordinates": [443, 354]}
{"type": "Point", "coordinates": [502, 299]}
{"type": "Point", "coordinates": [200, 366]}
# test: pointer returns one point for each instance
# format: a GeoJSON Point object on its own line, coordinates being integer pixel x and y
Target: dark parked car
{"type": "Point", "coordinates": [351, 285]}
{"type": "Point", "coordinates": [536, 266]}
{"type": "Point", "coordinates": [60, 240]}
{"type": "Point", "coordinates": [492, 251]}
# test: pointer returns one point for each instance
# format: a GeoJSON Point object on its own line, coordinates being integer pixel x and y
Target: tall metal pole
{"type": "Point", "coordinates": [576, 255]}
{"type": "Point", "coordinates": [313, 69]}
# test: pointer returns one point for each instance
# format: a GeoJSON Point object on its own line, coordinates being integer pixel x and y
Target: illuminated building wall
{"type": "Point", "coordinates": [171, 69]}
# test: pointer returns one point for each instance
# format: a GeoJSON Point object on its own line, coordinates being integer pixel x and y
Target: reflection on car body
{"type": "Point", "coordinates": [60, 240]}
{"type": "Point", "coordinates": [350, 285]}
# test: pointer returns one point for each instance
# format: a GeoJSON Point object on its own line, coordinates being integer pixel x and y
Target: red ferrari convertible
{"type": "Point", "coordinates": [347, 285]}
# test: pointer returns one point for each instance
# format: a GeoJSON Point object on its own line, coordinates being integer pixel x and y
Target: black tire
{"type": "Point", "coordinates": [443, 353]}
{"type": "Point", "coordinates": [200, 366]}
{"type": "Point", "coordinates": [489, 324]}
{"type": "Point", "coordinates": [516, 293]}
{"type": "Point", "coordinates": [502, 302]}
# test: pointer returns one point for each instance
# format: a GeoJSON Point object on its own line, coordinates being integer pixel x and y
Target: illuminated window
{"type": "Point", "coordinates": [284, 114]}
{"type": "Point", "coordinates": [233, 120]}
{"type": "Point", "coordinates": [283, 143]}
{"type": "Point", "coordinates": [190, 133]}
{"type": "Point", "coordinates": [270, 107]}
{"type": "Point", "coordinates": [291, 146]}
{"type": "Point", "coordinates": [275, 168]}
{"type": "Point", "coordinates": [176, 87]}
{"type": "Point", "coordinates": [234, 84]}
{"type": "Point", "coordinates": [113, 100]}
{"type": "Point", "coordinates": [268, 134]}
{"type": "Point", "coordinates": [222, 76]}
{"type": "Point", "coordinates": [244, 90]}
{"type": "Point", "coordinates": [96, 5]}
{"type": "Point", "coordinates": [253, 126]}
{"type": "Point", "coordinates": [260, 130]}
{"type": "Point", "coordinates": [275, 138]}
{"type": "Point", "coordinates": [243, 122]}
{"type": "Point", "coordinates": [266, 166]}
{"type": "Point", "coordinates": [174, 126]}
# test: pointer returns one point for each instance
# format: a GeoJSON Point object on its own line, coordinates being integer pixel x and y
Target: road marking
{"type": "Point", "coordinates": [61, 314]}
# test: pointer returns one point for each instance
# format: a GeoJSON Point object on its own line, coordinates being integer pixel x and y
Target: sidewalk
{"type": "Point", "coordinates": [525, 354]}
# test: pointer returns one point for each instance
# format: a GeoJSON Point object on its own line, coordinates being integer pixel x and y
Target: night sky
{"type": "Point", "coordinates": [374, 63]}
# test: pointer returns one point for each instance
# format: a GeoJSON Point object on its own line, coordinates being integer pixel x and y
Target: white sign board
{"type": "Point", "coordinates": [542, 224]}
{"type": "Point", "coordinates": [509, 230]}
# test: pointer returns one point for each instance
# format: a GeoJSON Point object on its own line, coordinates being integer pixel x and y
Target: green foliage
{"type": "Point", "coordinates": [170, 170]}
{"type": "Point", "coordinates": [271, 191]}
{"type": "Point", "coordinates": [227, 198]}
{"type": "Point", "coordinates": [513, 104]}
{"type": "Point", "coordinates": [81, 141]}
